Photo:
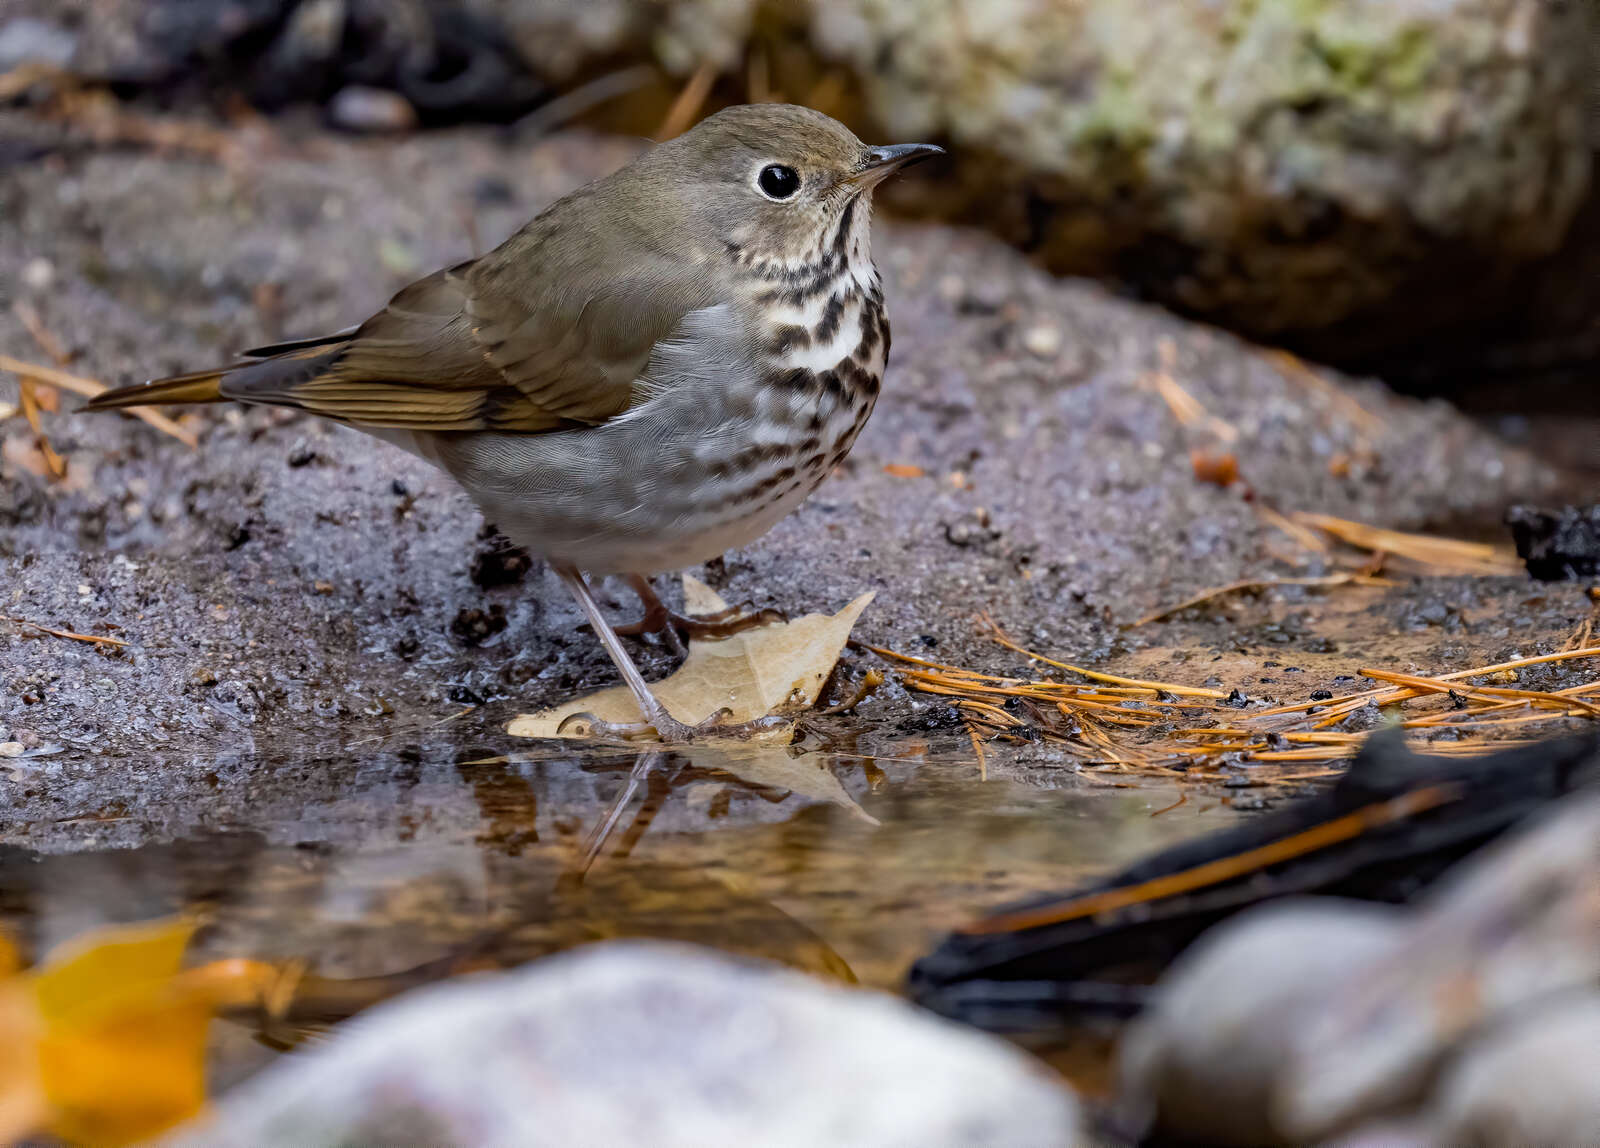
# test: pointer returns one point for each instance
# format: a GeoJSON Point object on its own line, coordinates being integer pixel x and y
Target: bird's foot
{"type": "Point", "coordinates": [703, 627]}
{"type": "Point", "coordinates": [715, 627]}
{"type": "Point", "coordinates": [663, 727]}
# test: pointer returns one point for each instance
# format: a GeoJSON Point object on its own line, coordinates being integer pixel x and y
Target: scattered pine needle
{"type": "Point", "coordinates": [1160, 729]}
{"type": "Point", "coordinates": [686, 108]}
{"type": "Point", "coordinates": [89, 388]}
{"type": "Point", "coordinates": [1188, 410]}
{"type": "Point", "coordinates": [977, 749]}
{"type": "Point", "coordinates": [1260, 584]}
{"type": "Point", "coordinates": [94, 639]}
{"type": "Point", "coordinates": [1305, 536]}
{"type": "Point", "coordinates": [1297, 369]}
{"type": "Point", "coordinates": [28, 315]}
{"type": "Point", "coordinates": [1436, 555]}
{"type": "Point", "coordinates": [1005, 640]}
{"type": "Point", "coordinates": [29, 398]}
{"type": "Point", "coordinates": [569, 105]}
{"type": "Point", "coordinates": [1426, 554]}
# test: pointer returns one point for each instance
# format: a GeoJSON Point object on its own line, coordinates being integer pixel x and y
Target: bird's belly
{"type": "Point", "coordinates": [676, 483]}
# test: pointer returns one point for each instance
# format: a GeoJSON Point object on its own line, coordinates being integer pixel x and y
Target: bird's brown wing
{"type": "Point", "coordinates": [552, 329]}
{"type": "Point", "coordinates": [507, 343]}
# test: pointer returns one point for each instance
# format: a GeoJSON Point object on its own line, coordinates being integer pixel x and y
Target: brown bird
{"type": "Point", "coordinates": [654, 370]}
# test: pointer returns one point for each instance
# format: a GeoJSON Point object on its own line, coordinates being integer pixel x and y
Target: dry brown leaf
{"type": "Point", "coordinates": [766, 670]}
{"type": "Point", "coordinates": [700, 600]}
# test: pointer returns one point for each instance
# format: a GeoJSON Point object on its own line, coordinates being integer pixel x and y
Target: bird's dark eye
{"type": "Point", "coordinates": [778, 181]}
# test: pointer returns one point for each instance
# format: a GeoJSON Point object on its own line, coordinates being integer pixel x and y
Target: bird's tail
{"type": "Point", "coordinates": [196, 387]}
{"type": "Point", "coordinates": [265, 375]}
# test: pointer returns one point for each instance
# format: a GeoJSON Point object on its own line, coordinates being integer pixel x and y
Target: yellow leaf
{"type": "Point", "coordinates": [778, 667]}
{"type": "Point", "coordinates": [22, 1105]}
{"type": "Point", "coordinates": [102, 1044]}
{"type": "Point", "coordinates": [95, 975]}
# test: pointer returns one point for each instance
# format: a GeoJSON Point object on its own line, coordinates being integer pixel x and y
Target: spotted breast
{"type": "Point", "coordinates": [823, 348]}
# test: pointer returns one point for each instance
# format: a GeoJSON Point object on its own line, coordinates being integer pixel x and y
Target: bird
{"type": "Point", "coordinates": [654, 370]}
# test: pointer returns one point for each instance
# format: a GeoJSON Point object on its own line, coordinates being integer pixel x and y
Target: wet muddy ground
{"type": "Point", "coordinates": [304, 731]}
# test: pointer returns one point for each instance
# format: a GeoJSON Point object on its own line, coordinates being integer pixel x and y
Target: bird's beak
{"type": "Point", "coordinates": [882, 162]}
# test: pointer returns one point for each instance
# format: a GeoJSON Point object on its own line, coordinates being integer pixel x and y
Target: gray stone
{"type": "Point", "coordinates": [1538, 1082]}
{"type": "Point", "coordinates": [1512, 929]}
{"type": "Point", "coordinates": [1204, 1062]}
{"type": "Point", "coordinates": [644, 1043]}
{"type": "Point", "coordinates": [1276, 166]}
{"type": "Point", "coordinates": [1306, 1021]}
{"type": "Point", "coordinates": [25, 40]}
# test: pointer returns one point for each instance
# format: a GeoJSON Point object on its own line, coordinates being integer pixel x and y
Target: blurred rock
{"type": "Point", "coordinates": [26, 40]}
{"type": "Point", "coordinates": [1279, 167]}
{"type": "Point", "coordinates": [1202, 1063]}
{"type": "Point", "coordinates": [1505, 933]}
{"type": "Point", "coordinates": [446, 61]}
{"type": "Point", "coordinates": [1307, 1021]}
{"type": "Point", "coordinates": [1536, 1083]}
{"type": "Point", "coordinates": [1557, 545]}
{"type": "Point", "coordinates": [645, 1043]}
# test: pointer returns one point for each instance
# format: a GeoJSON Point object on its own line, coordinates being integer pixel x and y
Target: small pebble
{"type": "Point", "coordinates": [38, 274]}
{"type": "Point", "coordinates": [1043, 340]}
{"type": "Point", "coordinates": [10, 749]}
{"type": "Point", "coordinates": [361, 109]}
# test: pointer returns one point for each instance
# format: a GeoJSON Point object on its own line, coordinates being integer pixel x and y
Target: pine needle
{"type": "Point", "coordinates": [89, 388]}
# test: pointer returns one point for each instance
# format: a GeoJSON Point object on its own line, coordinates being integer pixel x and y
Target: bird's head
{"type": "Point", "coordinates": [781, 185]}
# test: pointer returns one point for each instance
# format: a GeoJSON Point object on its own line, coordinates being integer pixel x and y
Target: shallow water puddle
{"type": "Point", "coordinates": [440, 857]}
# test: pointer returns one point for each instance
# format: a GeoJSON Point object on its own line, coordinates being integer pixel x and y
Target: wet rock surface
{"type": "Point", "coordinates": [292, 576]}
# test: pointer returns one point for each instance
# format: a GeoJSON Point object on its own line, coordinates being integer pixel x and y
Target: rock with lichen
{"type": "Point", "coordinates": [1278, 164]}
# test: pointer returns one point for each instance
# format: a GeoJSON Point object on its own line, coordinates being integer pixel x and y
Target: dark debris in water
{"type": "Point", "coordinates": [1385, 832]}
